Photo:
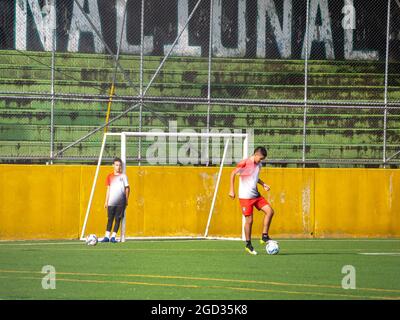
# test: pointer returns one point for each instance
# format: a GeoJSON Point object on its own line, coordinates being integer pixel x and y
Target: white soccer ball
{"type": "Point", "coordinates": [91, 240]}
{"type": "Point", "coordinates": [272, 247]}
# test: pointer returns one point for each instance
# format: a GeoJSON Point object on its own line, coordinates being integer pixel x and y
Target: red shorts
{"type": "Point", "coordinates": [247, 205]}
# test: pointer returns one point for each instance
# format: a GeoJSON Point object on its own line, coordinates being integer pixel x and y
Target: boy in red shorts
{"type": "Point", "coordinates": [249, 197]}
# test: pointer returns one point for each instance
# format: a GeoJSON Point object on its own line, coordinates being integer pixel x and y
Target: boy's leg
{"type": "Point", "coordinates": [110, 219]}
{"type": "Point", "coordinates": [247, 210]}
{"type": "Point", "coordinates": [248, 226]}
{"type": "Point", "coordinates": [247, 231]}
{"type": "Point", "coordinates": [119, 214]}
{"type": "Point", "coordinates": [111, 215]}
{"type": "Point", "coordinates": [269, 213]}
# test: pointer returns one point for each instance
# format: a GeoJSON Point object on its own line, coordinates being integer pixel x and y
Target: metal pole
{"type": "Point", "coordinates": [306, 83]}
{"type": "Point", "coordinates": [210, 46]}
{"type": "Point", "coordinates": [96, 175]}
{"type": "Point", "coordinates": [216, 188]}
{"type": "Point", "coordinates": [116, 58]}
{"type": "Point", "coordinates": [53, 59]}
{"type": "Point", "coordinates": [106, 46]}
{"type": "Point", "coordinates": [112, 89]}
{"type": "Point", "coordinates": [141, 82]}
{"type": "Point", "coordinates": [97, 129]}
{"type": "Point", "coordinates": [386, 83]}
{"type": "Point", "coordinates": [198, 101]}
{"type": "Point", "coordinates": [140, 130]}
{"type": "Point", "coordinates": [141, 51]}
{"type": "Point", "coordinates": [123, 158]}
{"type": "Point", "coordinates": [245, 155]}
{"type": "Point", "coordinates": [393, 156]}
{"type": "Point", "coordinates": [171, 48]}
{"type": "Point", "coordinates": [179, 134]}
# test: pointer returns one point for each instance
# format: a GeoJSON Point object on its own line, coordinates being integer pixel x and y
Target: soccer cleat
{"type": "Point", "coordinates": [113, 240]}
{"type": "Point", "coordinates": [105, 239]}
{"type": "Point", "coordinates": [251, 250]}
{"type": "Point", "coordinates": [265, 239]}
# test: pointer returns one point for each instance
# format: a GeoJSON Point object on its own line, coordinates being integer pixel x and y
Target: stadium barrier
{"type": "Point", "coordinates": [49, 202]}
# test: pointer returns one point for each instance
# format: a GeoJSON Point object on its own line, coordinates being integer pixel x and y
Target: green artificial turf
{"type": "Point", "coordinates": [202, 269]}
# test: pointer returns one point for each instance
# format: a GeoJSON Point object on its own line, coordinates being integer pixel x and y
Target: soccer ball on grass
{"type": "Point", "coordinates": [272, 247]}
{"type": "Point", "coordinates": [91, 240]}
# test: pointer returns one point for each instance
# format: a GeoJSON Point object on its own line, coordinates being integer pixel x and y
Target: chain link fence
{"type": "Point", "coordinates": [315, 81]}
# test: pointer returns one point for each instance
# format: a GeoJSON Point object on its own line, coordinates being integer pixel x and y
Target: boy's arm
{"type": "Point", "coordinates": [127, 192]}
{"type": "Point", "coordinates": [232, 183]}
{"type": "Point", "coordinates": [107, 196]}
{"type": "Point", "coordinates": [265, 186]}
{"type": "Point", "coordinates": [235, 171]}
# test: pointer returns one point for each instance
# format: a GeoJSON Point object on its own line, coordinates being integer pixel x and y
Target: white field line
{"type": "Point", "coordinates": [380, 253]}
{"type": "Point", "coordinates": [116, 248]}
{"type": "Point", "coordinates": [76, 242]}
{"type": "Point", "coordinates": [40, 243]}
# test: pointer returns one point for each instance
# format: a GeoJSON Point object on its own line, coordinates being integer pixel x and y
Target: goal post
{"type": "Point", "coordinates": [228, 137]}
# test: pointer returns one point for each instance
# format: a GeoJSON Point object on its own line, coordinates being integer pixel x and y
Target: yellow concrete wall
{"type": "Point", "coordinates": [362, 202]}
{"type": "Point", "coordinates": [39, 202]}
{"type": "Point", "coordinates": [49, 202]}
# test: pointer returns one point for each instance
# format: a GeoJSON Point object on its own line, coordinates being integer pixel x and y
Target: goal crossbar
{"type": "Point", "coordinates": [126, 134]}
{"type": "Point", "coordinates": [178, 134]}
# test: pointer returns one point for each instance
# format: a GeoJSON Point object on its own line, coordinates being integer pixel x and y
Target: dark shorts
{"type": "Point", "coordinates": [116, 212]}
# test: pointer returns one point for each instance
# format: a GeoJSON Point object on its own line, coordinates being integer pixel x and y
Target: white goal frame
{"type": "Point", "coordinates": [124, 135]}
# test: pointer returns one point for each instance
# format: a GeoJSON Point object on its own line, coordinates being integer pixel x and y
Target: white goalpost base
{"type": "Point", "coordinates": [183, 238]}
{"type": "Point", "coordinates": [124, 135]}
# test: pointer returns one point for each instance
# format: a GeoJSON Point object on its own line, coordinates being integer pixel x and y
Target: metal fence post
{"type": "Point", "coordinates": [141, 82]}
{"type": "Point", "coordinates": [210, 47]}
{"type": "Point", "coordinates": [305, 83]}
{"type": "Point", "coordinates": [386, 83]}
{"type": "Point", "coordinates": [53, 59]}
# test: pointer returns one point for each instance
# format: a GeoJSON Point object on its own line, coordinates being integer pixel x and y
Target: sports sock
{"type": "Point", "coordinates": [113, 235]}
{"type": "Point", "coordinates": [248, 243]}
{"type": "Point", "coordinates": [107, 234]}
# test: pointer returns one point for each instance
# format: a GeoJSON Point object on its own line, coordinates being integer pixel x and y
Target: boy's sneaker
{"type": "Point", "coordinates": [265, 239]}
{"type": "Point", "coordinates": [250, 249]}
{"type": "Point", "coordinates": [105, 239]}
{"type": "Point", "coordinates": [113, 240]}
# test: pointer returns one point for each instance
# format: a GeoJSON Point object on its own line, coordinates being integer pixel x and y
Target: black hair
{"type": "Point", "coordinates": [116, 159]}
{"type": "Point", "coordinates": [261, 150]}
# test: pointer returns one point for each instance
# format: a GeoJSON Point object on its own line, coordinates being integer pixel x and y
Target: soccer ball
{"type": "Point", "coordinates": [272, 247]}
{"type": "Point", "coordinates": [91, 240]}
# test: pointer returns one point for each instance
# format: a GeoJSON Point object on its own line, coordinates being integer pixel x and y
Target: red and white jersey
{"type": "Point", "coordinates": [249, 174]}
{"type": "Point", "coordinates": [117, 184]}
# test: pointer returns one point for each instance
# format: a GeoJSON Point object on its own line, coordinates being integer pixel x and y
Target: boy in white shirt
{"type": "Point", "coordinates": [116, 199]}
{"type": "Point", "coordinates": [249, 197]}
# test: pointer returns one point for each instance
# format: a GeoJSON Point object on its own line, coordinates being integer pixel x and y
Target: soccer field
{"type": "Point", "coordinates": [206, 269]}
